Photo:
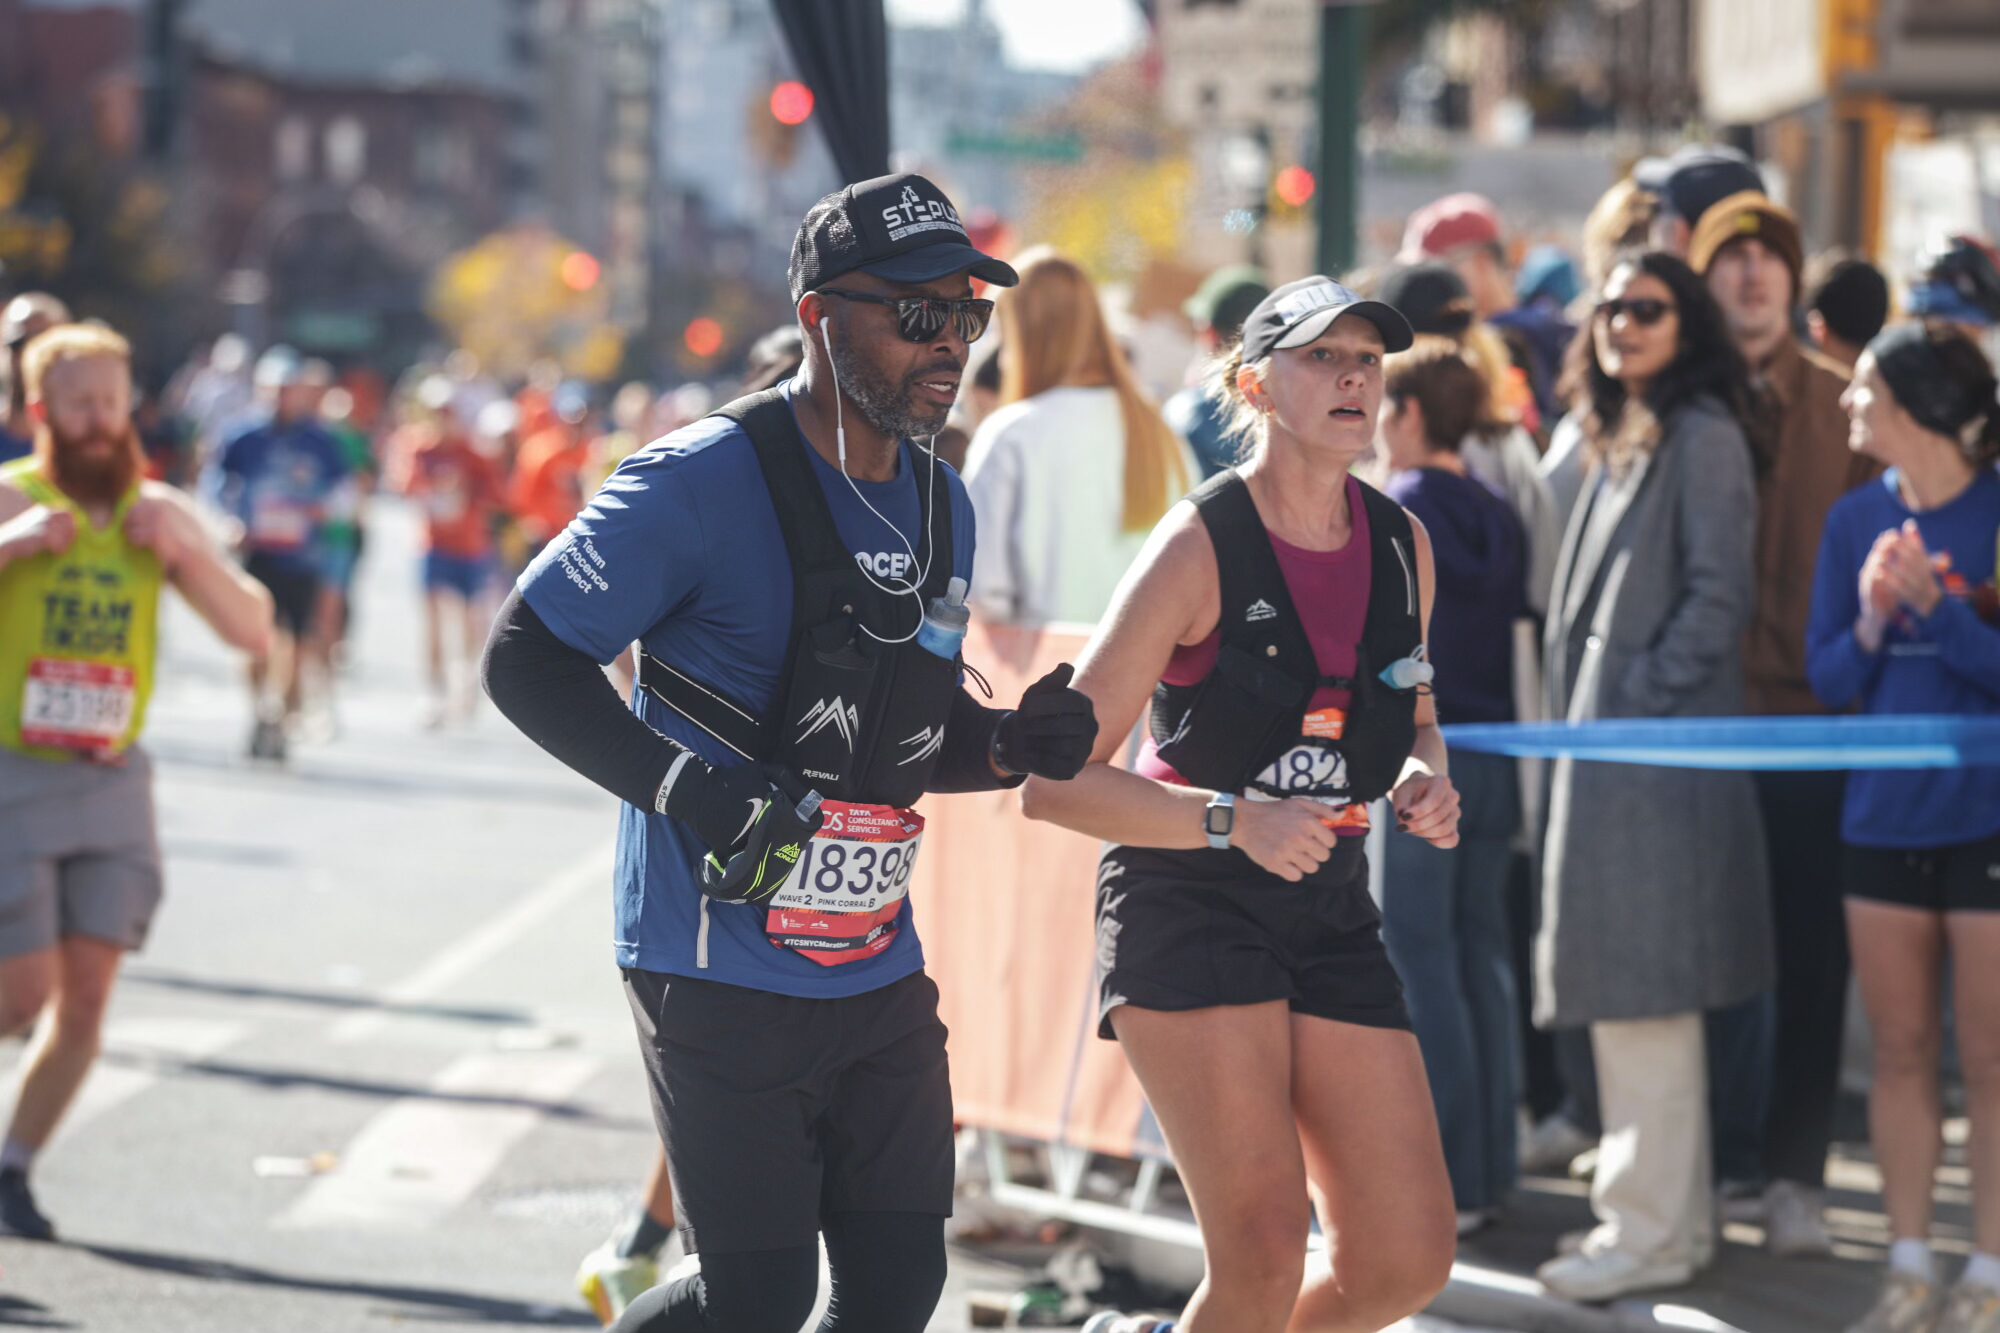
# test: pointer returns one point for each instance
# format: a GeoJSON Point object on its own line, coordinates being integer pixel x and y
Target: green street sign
{"type": "Point", "coordinates": [1019, 147]}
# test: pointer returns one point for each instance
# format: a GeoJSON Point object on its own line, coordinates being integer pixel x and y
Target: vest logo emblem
{"type": "Point", "coordinates": [1261, 610]}
{"type": "Point", "coordinates": [843, 718]}
{"type": "Point", "coordinates": [926, 743]}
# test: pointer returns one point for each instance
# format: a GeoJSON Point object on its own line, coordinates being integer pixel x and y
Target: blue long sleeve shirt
{"type": "Point", "coordinates": [1947, 662]}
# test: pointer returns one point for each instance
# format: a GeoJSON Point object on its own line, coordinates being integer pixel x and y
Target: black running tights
{"type": "Point", "coordinates": [888, 1271]}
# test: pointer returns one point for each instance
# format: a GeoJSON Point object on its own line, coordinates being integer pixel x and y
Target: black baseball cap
{"type": "Point", "coordinates": [1432, 297]}
{"type": "Point", "coordinates": [899, 227]}
{"type": "Point", "coordinates": [1696, 177]}
{"type": "Point", "coordinates": [1301, 311]}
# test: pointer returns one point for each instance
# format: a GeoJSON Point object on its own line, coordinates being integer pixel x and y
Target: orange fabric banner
{"type": "Point", "coordinates": [1006, 909]}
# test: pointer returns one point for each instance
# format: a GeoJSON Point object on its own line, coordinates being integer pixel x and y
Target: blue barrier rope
{"type": "Point", "coordinates": [1747, 742]}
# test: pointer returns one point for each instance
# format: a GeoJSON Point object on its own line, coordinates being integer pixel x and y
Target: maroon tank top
{"type": "Point", "coordinates": [1329, 590]}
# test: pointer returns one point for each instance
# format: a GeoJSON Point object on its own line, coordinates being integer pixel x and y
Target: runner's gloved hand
{"type": "Point", "coordinates": [750, 818]}
{"type": "Point", "coordinates": [1051, 734]}
{"type": "Point", "coordinates": [721, 805]}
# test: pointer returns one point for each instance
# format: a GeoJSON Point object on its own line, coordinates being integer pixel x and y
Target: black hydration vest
{"type": "Point", "coordinates": [1226, 730]}
{"type": "Point", "coordinates": [855, 718]}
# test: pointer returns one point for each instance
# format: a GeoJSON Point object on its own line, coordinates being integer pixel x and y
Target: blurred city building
{"type": "Point", "coordinates": [963, 113]}
{"type": "Point", "coordinates": [1880, 118]}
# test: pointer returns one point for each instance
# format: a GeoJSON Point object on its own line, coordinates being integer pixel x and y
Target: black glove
{"type": "Point", "coordinates": [749, 818]}
{"type": "Point", "coordinates": [721, 805]}
{"type": "Point", "coordinates": [1051, 733]}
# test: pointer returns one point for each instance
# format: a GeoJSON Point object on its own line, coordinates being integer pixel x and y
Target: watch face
{"type": "Point", "coordinates": [1219, 819]}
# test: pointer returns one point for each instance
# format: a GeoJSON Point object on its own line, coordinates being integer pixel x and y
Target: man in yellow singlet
{"type": "Point", "coordinates": [85, 545]}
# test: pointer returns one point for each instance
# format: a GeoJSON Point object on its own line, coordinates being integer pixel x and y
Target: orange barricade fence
{"type": "Point", "coordinates": [1005, 908]}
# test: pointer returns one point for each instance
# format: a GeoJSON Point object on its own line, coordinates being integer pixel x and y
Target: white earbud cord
{"type": "Point", "coordinates": [911, 588]}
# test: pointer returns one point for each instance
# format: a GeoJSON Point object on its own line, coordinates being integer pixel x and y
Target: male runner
{"type": "Point", "coordinates": [84, 546]}
{"type": "Point", "coordinates": [284, 480]}
{"type": "Point", "coordinates": [791, 1036]}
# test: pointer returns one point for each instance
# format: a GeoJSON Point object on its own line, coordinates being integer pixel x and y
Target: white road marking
{"type": "Point", "coordinates": [463, 957]}
{"type": "Point", "coordinates": [410, 1166]}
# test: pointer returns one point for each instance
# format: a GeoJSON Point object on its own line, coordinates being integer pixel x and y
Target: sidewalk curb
{"type": "Point", "coordinates": [1495, 1299]}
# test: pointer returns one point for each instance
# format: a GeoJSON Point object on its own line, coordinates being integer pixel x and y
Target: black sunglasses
{"type": "Point", "coordinates": [922, 318]}
{"type": "Point", "coordinates": [1645, 311]}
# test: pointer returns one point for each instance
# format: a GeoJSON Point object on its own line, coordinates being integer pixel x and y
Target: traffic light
{"type": "Point", "coordinates": [792, 103]}
{"type": "Point", "coordinates": [1294, 187]}
{"type": "Point", "coordinates": [703, 337]}
{"type": "Point", "coordinates": [580, 271]}
{"type": "Point", "coordinates": [775, 122]}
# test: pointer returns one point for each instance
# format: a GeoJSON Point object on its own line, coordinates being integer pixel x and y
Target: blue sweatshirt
{"type": "Point", "coordinates": [1947, 662]}
{"type": "Point", "coordinates": [1480, 552]}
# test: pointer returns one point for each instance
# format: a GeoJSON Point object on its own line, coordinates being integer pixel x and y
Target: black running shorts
{"type": "Point", "coordinates": [1963, 878]}
{"type": "Point", "coordinates": [779, 1111]}
{"type": "Point", "coordinates": [294, 593]}
{"type": "Point", "coordinates": [1194, 929]}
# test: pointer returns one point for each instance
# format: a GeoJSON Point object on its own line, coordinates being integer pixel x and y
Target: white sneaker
{"type": "Point", "coordinates": [1907, 1305]}
{"type": "Point", "coordinates": [1596, 1275]}
{"type": "Point", "coordinates": [1702, 1249]}
{"type": "Point", "coordinates": [1474, 1220]}
{"type": "Point", "coordinates": [1551, 1146]}
{"type": "Point", "coordinates": [1793, 1224]}
{"type": "Point", "coordinates": [1971, 1309]}
{"type": "Point", "coordinates": [609, 1283]}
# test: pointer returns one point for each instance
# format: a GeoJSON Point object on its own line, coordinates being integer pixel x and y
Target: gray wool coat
{"type": "Point", "coordinates": [1655, 893]}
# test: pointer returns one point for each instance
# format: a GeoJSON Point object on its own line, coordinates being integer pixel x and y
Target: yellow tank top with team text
{"type": "Point", "coordinates": [78, 635]}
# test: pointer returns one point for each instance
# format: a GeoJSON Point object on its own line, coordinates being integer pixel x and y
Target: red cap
{"type": "Point", "coordinates": [1446, 224]}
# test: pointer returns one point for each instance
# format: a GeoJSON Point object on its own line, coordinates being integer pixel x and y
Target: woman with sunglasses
{"type": "Point", "coordinates": [1240, 959]}
{"type": "Point", "coordinates": [1906, 619]}
{"type": "Point", "coordinates": [1076, 467]}
{"type": "Point", "coordinates": [1654, 896]}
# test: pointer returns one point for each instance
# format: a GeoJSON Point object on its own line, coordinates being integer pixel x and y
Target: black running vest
{"type": "Point", "coordinates": [855, 718]}
{"type": "Point", "coordinates": [1225, 730]}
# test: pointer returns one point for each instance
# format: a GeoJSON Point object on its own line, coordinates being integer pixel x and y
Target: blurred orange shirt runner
{"type": "Point", "coordinates": [459, 490]}
{"type": "Point", "coordinates": [548, 481]}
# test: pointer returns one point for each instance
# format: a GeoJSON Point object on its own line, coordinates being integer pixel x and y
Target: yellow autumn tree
{"type": "Point", "coordinates": [524, 294]}
{"type": "Point", "coordinates": [1122, 208]}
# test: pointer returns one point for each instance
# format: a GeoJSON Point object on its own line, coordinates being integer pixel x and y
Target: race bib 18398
{"type": "Point", "coordinates": [80, 706]}
{"type": "Point", "coordinates": [842, 903]}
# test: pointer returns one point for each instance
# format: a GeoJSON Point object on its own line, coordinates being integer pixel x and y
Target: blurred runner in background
{"type": "Point", "coordinates": [282, 481]}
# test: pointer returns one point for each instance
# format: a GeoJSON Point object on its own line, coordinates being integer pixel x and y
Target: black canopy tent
{"type": "Point", "coordinates": [841, 48]}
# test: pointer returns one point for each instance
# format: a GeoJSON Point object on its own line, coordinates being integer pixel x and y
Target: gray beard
{"type": "Point", "coordinates": [888, 407]}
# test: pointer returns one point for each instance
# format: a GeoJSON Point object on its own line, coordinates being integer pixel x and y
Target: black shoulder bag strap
{"type": "Point", "coordinates": [1257, 610]}
{"type": "Point", "coordinates": [1395, 598]}
{"type": "Point", "coordinates": [826, 581]}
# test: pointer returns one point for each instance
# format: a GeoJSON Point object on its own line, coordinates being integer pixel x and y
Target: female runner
{"type": "Point", "coordinates": [1239, 955]}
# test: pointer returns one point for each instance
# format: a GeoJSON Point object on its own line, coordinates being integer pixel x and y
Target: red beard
{"type": "Point", "coordinates": [83, 469]}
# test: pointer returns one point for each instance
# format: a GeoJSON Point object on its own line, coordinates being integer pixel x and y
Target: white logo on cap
{"type": "Point", "coordinates": [913, 214]}
{"type": "Point", "coordinates": [1316, 297]}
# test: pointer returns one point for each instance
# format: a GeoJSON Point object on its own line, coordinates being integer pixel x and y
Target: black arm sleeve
{"type": "Point", "coordinates": [562, 701]}
{"type": "Point", "coordinates": [963, 764]}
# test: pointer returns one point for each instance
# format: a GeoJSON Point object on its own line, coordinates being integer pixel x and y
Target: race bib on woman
{"type": "Point", "coordinates": [1315, 770]}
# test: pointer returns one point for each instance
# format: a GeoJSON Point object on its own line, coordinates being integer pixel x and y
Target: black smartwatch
{"type": "Point", "coordinates": [1218, 820]}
